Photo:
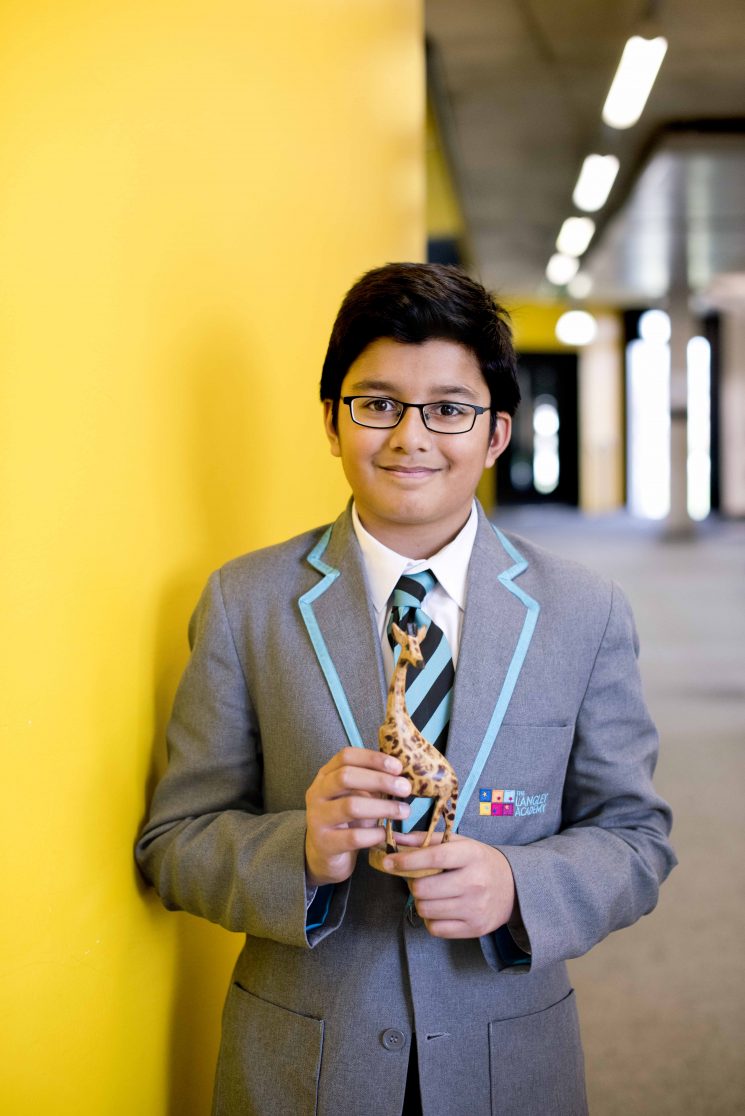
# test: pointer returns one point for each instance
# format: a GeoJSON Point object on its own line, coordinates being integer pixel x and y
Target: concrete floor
{"type": "Point", "coordinates": [662, 1003]}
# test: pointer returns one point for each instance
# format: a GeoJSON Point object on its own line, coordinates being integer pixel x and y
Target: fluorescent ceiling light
{"type": "Point", "coordinates": [635, 76]}
{"type": "Point", "coordinates": [560, 269]}
{"type": "Point", "coordinates": [576, 327]}
{"type": "Point", "coordinates": [574, 236]}
{"type": "Point", "coordinates": [581, 285]}
{"type": "Point", "coordinates": [594, 183]}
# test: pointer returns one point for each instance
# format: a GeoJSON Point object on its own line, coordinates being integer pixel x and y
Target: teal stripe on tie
{"type": "Point", "coordinates": [422, 681]}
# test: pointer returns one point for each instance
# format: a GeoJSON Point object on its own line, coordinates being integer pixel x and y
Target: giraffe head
{"type": "Point", "coordinates": [409, 641]}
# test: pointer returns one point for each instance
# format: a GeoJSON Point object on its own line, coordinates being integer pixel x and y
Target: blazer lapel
{"type": "Point", "coordinates": [497, 629]}
{"type": "Point", "coordinates": [340, 621]}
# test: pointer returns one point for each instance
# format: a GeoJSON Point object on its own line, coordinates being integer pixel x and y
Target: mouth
{"type": "Point", "coordinates": [409, 472]}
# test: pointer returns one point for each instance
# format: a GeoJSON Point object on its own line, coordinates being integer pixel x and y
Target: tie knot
{"type": "Point", "coordinates": [412, 588]}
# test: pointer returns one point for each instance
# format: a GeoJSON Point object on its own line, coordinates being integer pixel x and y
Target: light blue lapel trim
{"type": "Point", "coordinates": [513, 671]}
{"type": "Point", "coordinates": [319, 644]}
{"type": "Point", "coordinates": [420, 806]}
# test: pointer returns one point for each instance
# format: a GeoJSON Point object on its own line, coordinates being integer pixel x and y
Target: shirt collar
{"type": "Point", "coordinates": [384, 566]}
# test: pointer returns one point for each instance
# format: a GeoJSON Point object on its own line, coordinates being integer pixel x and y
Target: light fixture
{"type": "Point", "coordinates": [698, 362]}
{"type": "Point", "coordinates": [635, 76]}
{"type": "Point", "coordinates": [574, 236]}
{"type": "Point", "coordinates": [546, 464]}
{"type": "Point", "coordinates": [560, 269]}
{"type": "Point", "coordinates": [595, 181]}
{"type": "Point", "coordinates": [576, 327]}
{"type": "Point", "coordinates": [581, 285]}
{"type": "Point", "coordinates": [648, 448]}
{"type": "Point", "coordinates": [654, 327]}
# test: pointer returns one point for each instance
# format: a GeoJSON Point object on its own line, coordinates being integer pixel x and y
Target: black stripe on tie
{"type": "Point", "coordinates": [414, 588]}
{"type": "Point", "coordinates": [405, 618]}
{"type": "Point", "coordinates": [431, 642]}
{"type": "Point", "coordinates": [442, 686]}
{"type": "Point", "coordinates": [442, 739]}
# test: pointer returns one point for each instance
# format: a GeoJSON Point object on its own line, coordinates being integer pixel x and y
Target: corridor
{"type": "Point", "coordinates": [662, 1004]}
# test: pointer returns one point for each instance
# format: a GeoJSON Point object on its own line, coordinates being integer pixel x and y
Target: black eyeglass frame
{"type": "Point", "coordinates": [420, 407]}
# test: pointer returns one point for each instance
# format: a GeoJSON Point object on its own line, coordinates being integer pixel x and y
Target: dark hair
{"type": "Point", "coordinates": [413, 303]}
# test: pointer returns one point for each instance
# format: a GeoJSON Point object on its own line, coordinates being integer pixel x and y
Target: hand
{"type": "Point", "coordinates": [472, 896]}
{"type": "Point", "coordinates": [344, 804]}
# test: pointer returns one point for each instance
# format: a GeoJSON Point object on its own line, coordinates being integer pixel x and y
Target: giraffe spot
{"type": "Point", "coordinates": [419, 769]}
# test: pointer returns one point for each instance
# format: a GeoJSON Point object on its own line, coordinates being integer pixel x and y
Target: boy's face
{"type": "Point", "coordinates": [413, 488]}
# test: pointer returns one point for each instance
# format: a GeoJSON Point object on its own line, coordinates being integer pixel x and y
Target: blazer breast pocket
{"type": "Point", "coordinates": [519, 792]}
{"type": "Point", "coordinates": [270, 1059]}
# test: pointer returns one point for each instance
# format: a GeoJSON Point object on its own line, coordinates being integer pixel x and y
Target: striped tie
{"type": "Point", "coordinates": [429, 690]}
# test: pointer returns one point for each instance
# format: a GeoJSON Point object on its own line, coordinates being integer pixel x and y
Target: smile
{"type": "Point", "coordinates": [409, 472]}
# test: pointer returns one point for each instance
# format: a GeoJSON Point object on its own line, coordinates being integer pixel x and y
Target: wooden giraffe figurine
{"type": "Point", "coordinates": [430, 773]}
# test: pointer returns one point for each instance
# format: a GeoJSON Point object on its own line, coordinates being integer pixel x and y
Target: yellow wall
{"type": "Point", "coordinates": [534, 325]}
{"type": "Point", "coordinates": [444, 217]}
{"type": "Point", "coordinates": [188, 189]}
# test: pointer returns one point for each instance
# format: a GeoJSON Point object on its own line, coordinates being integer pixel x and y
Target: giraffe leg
{"type": "Point", "coordinates": [390, 843]}
{"type": "Point", "coordinates": [450, 816]}
{"type": "Point", "coordinates": [436, 811]}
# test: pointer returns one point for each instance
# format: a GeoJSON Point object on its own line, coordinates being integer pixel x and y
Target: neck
{"type": "Point", "coordinates": [414, 541]}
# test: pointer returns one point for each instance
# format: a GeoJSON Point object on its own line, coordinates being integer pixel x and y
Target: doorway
{"type": "Point", "coordinates": [541, 464]}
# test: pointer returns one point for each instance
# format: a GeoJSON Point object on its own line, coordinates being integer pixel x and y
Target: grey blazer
{"type": "Point", "coordinates": [555, 751]}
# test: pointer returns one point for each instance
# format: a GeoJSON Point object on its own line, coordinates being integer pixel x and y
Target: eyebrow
{"type": "Point", "coordinates": [439, 391]}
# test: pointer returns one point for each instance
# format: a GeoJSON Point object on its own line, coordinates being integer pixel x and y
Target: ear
{"type": "Point", "coordinates": [500, 439]}
{"type": "Point", "coordinates": [398, 635]}
{"type": "Point", "coordinates": [331, 431]}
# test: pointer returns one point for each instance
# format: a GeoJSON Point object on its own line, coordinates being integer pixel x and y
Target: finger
{"type": "Point", "coordinates": [444, 856]}
{"type": "Point", "coordinates": [335, 842]}
{"type": "Point", "coordinates": [415, 837]}
{"type": "Point", "coordinates": [449, 928]}
{"type": "Point", "coordinates": [365, 757]}
{"type": "Point", "coordinates": [343, 780]}
{"type": "Point", "coordinates": [353, 809]}
{"type": "Point", "coordinates": [435, 910]}
{"type": "Point", "coordinates": [445, 885]}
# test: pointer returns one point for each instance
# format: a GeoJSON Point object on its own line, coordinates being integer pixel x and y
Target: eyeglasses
{"type": "Point", "coordinates": [383, 413]}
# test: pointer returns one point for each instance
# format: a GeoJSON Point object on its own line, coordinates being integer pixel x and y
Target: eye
{"type": "Point", "coordinates": [448, 410]}
{"type": "Point", "coordinates": [379, 405]}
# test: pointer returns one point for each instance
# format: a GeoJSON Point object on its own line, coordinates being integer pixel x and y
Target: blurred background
{"type": "Point", "coordinates": [187, 191]}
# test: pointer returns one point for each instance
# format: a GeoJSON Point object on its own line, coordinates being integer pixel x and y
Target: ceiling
{"type": "Point", "coordinates": [518, 87]}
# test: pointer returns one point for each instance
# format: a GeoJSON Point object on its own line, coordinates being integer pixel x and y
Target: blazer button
{"type": "Point", "coordinates": [393, 1039]}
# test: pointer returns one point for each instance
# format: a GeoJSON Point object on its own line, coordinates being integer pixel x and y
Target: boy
{"type": "Point", "coordinates": [349, 997]}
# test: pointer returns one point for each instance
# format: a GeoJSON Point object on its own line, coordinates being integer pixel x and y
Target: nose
{"type": "Point", "coordinates": [411, 433]}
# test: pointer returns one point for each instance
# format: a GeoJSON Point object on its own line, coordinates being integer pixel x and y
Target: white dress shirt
{"type": "Point", "coordinates": [445, 603]}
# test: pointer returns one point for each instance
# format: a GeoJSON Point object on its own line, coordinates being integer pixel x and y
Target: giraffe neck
{"type": "Point", "coordinates": [397, 690]}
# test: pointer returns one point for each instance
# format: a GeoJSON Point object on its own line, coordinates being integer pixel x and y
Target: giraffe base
{"type": "Point", "coordinates": [375, 859]}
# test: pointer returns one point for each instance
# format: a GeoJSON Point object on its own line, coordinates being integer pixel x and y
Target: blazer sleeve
{"type": "Point", "coordinates": [603, 870]}
{"type": "Point", "coordinates": [208, 847]}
